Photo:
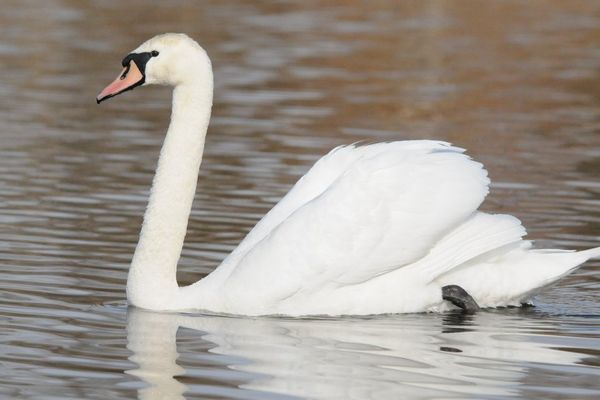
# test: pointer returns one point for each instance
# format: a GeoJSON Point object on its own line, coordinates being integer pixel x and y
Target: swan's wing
{"type": "Point", "coordinates": [387, 209]}
{"type": "Point", "coordinates": [321, 175]}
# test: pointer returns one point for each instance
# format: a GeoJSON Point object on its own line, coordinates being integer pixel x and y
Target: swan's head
{"type": "Point", "coordinates": [167, 59]}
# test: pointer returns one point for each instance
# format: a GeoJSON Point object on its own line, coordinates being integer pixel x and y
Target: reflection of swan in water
{"type": "Point", "coordinates": [410, 355]}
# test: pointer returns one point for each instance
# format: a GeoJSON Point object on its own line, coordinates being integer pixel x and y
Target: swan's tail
{"type": "Point", "coordinates": [487, 257]}
{"type": "Point", "coordinates": [551, 265]}
{"type": "Point", "coordinates": [563, 262]}
{"type": "Point", "coordinates": [589, 254]}
{"type": "Point", "coordinates": [514, 277]}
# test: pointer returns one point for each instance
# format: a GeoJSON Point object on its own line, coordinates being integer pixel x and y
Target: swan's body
{"type": "Point", "coordinates": [368, 230]}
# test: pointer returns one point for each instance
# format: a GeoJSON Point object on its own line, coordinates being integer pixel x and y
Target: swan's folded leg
{"type": "Point", "coordinates": [460, 298]}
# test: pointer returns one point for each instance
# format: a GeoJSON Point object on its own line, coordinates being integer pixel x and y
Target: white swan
{"type": "Point", "coordinates": [368, 230]}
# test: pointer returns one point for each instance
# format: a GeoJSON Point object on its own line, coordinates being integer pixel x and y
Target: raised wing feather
{"type": "Point", "coordinates": [386, 209]}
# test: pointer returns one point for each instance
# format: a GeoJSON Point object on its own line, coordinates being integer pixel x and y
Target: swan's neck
{"type": "Point", "coordinates": [152, 280]}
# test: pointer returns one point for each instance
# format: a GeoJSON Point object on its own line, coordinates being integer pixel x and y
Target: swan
{"type": "Point", "coordinates": [381, 228]}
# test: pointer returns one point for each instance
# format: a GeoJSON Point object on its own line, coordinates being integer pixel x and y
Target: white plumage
{"type": "Point", "coordinates": [369, 229]}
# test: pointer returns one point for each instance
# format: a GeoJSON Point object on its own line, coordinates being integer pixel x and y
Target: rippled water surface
{"type": "Point", "coordinates": [517, 83]}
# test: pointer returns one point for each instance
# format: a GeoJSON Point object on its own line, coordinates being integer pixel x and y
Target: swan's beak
{"type": "Point", "coordinates": [130, 78]}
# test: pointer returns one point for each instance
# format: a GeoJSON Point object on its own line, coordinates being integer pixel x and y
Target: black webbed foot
{"type": "Point", "coordinates": [460, 298]}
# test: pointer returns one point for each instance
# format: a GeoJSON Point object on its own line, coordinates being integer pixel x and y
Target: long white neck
{"type": "Point", "coordinates": [152, 280]}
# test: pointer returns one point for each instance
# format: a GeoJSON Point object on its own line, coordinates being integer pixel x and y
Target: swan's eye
{"type": "Point", "coordinates": [154, 53]}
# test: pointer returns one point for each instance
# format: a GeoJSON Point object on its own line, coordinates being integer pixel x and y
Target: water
{"type": "Point", "coordinates": [516, 83]}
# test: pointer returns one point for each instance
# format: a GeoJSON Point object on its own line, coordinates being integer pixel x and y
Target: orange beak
{"type": "Point", "coordinates": [130, 78]}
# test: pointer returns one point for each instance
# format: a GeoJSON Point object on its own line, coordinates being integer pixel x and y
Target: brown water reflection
{"type": "Point", "coordinates": [517, 83]}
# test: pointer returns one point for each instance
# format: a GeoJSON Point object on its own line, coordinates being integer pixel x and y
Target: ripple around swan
{"type": "Point", "coordinates": [513, 82]}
